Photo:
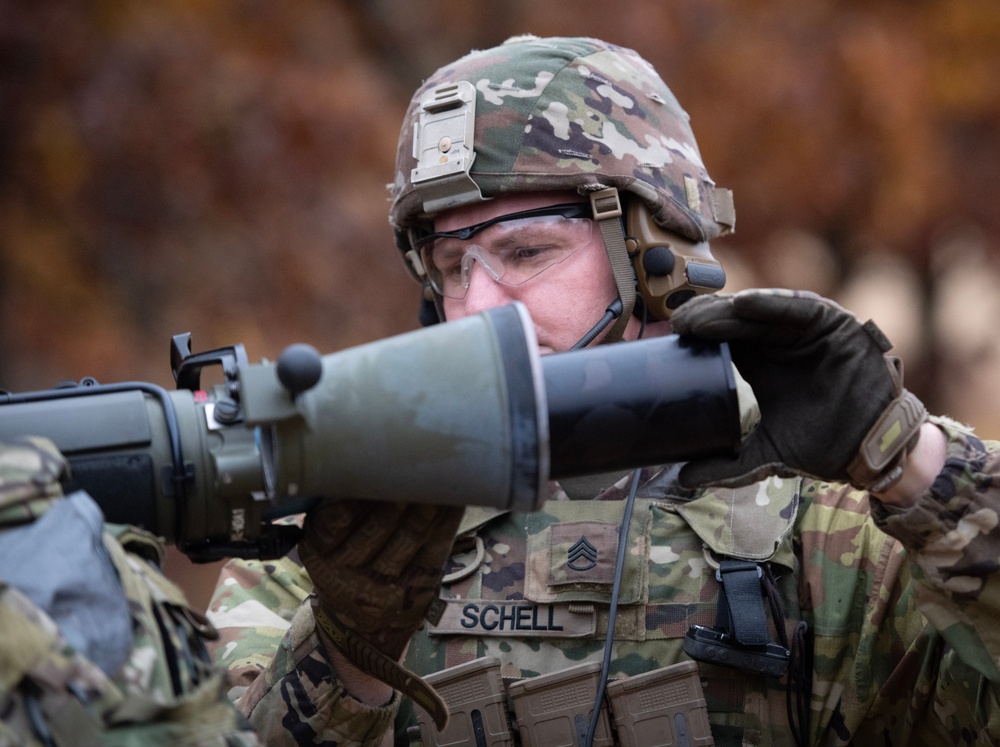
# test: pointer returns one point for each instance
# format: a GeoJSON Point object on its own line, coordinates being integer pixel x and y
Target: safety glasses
{"type": "Point", "coordinates": [512, 248]}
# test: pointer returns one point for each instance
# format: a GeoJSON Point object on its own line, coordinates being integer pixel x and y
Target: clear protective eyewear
{"type": "Point", "coordinates": [512, 248]}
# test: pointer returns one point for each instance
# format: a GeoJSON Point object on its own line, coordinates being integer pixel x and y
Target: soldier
{"type": "Point", "coordinates": [836, 583]}
{"type": "Point", "coordinates": [98, 647]}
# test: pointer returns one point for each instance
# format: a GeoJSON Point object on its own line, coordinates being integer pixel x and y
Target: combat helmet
{"type": "Point", "coordinates": [575, 114]}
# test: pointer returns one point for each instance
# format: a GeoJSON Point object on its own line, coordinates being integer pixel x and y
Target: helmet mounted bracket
{"type": "Point", "coordinates": [443, 147]}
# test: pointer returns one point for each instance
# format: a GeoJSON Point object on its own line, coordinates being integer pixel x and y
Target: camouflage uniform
{"type": "Point", "coordinates": [899, 604]}
{"type": "Point", "coordinates": [904, 648]}
{"type": "Point", "coordinates": [162, 691]}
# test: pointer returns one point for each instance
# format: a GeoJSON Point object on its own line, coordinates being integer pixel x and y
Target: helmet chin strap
{"type": "Point", "coordinates": [607, 208]}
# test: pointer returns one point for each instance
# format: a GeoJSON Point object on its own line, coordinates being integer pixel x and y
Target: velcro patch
{"type": "Point", "coordinates": [583, 552]}
{"type": "Point", "coordinates": [515, 618]}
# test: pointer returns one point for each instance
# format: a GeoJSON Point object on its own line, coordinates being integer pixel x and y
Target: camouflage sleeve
{"type": "Point", "coordinates": [952, 534]}
{"type": "Point", "coordinates": [881, 672]}
{"type": "Point", "coordinates": [96, 645]}
{"type": "Point", "coordinates": [252, 608]}
{"type": "Point", "coordinates": [283, 682]}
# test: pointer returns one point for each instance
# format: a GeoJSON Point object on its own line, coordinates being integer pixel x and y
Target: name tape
{"type": "Point", "coordinates": [483, 617]}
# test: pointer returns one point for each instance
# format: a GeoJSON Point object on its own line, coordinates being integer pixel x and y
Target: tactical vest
{"type": "Point", "coordinates": [161, 689]}
{"type": "Point", "coordinates": [531, 591]}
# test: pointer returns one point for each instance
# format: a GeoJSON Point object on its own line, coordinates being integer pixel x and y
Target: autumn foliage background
{"type": "Point", "coordinates": [220, 168]}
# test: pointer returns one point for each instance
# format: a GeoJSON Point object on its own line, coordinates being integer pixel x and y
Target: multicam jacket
{"type": "Point", "coordinates": [161, 689]}
{"type": "Point", "coordinates": [901, 607]}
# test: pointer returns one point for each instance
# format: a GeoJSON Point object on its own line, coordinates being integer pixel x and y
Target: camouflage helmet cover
{"type": "Point", "coordinates": [571, 114]}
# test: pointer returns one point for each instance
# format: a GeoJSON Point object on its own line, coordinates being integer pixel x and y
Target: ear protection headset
{"type": "Point", "coordinates": [669, 268]}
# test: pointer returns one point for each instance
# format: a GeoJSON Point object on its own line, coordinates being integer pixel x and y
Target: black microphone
{"type": "Point", "coordinates": [613, 312]}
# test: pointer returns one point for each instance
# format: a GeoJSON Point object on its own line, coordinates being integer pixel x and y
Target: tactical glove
{"type": "Point", "coordinates": [376, 569]}
{"type": "Point", "coordinates": [832, 403]}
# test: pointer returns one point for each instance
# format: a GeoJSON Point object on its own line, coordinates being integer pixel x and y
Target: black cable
{"type": "Point", "coordinates": [642, 318]}
{"type": "Point", "coordinates": [613, 610]}
{"type": "Point", "coordinates": [620, 557]}
{"type": "Point", "coordinates": [799, 681]}
{"type": "Point", "coordinates": [35, 716]}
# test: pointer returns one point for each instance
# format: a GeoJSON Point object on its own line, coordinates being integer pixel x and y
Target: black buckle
{"type": "Point", "coordinates": [740, 637]}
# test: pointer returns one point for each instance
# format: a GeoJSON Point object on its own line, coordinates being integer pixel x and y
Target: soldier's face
{"type": "Point", "coordinates": [565, 300]}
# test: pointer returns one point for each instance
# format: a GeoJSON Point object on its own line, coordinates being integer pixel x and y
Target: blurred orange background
{"type": "Point", "coordinates": [220, 169]}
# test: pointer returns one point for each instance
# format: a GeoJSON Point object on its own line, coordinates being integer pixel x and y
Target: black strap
{"type": "Point", "coordinates": [741, 605]}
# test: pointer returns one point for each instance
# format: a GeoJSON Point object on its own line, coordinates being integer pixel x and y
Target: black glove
{"type": "Point", "coordinates": [832, 403]}
{"type": "Point", "coordinates": [376, 569]}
